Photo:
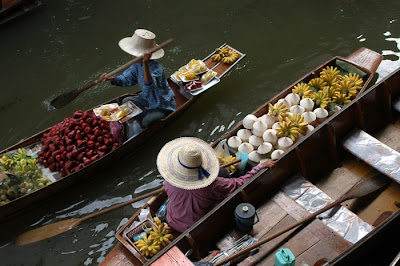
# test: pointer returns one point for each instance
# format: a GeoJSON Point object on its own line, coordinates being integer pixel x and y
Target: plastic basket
{"type": "Point", "coordinates": [137, 230]}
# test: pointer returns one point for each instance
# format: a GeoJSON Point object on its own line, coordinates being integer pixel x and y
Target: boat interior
{"type": "Point", "coordinates": [325, 165]}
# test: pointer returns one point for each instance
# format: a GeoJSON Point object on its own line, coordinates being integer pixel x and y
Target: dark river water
{"type": "Point", "coordinates": [63, 45]}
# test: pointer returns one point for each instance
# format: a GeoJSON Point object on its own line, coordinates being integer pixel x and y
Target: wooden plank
{"type": "Point", "coordinates": [269, 214]}
{"type": "Point", "coordinates": [390, 135]}
{"type": "Point", "coordinates": [303, 241]}
{"type": "Point", "coordinates": [120, 256]}
{"type": "Point", "coordinates": [173, 257]}
{"type": "Point", "coordinates": [318, 228]}
{"type": "Point", "coordinates": [315, 253]}
{"type": "Point", "coordinates": [338, 182]}
{"type": "Point", "coordinates": [268, 248]}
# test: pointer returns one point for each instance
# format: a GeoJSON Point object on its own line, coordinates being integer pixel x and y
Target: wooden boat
{"type": "Point", "coordinates": [10, 9]}
{"type": "Point", "coordinates": [317, 157]}
{"type": "Point", "coordinates": [183, 100]}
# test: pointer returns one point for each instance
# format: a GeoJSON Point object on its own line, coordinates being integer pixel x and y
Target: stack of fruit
{"type": "Point", "coordinates": [225, 55]}
{"type": "Point", "coordinates": [308, 104]}
{"type": "Point", "coordinates": [22, 176]}
{"type": "Point", "coordinates": [76, 142]}
{"type": "Point", "coordinates": [157, 239]}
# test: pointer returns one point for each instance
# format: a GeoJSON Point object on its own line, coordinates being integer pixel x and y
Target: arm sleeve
{"type": "Point", "coordinates": [223, 187]}
{"type": "Point", "coordinates": [127, 79]}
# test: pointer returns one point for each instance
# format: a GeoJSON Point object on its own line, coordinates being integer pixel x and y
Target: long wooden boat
{"type": "Point", "coordinates": [10, 9]}
{"type": "Point", "coordinates": [183, 100]}
{"type": "Point", "coordinates": [316, 157]}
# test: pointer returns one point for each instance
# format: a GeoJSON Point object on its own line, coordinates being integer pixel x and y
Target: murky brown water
{"type": "Point", "coordinates": [63, 45]}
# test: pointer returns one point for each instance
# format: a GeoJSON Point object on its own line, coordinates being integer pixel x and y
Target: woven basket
{"type": "Point", "coordinates": [137, 230]}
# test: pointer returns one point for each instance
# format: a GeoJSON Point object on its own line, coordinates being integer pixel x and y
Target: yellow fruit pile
{"type": "Point", "coordinates": [23, 176]}
{"type": "Point", "coordinates": [227, 159]}
{"type": "Point", "coordinates": [330, 88]}
{"type": "Point", "coordinates": [158, 238]}
{"type": "Point", "coordinates": [225, 55]}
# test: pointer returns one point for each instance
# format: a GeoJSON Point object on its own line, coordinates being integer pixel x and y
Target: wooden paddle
{"type": "Point", "coordinates": [66, 98]}
{"type": "Point", "coordinates": [57, 228]}
{"type": "Point", "coordinates": [361, 189]}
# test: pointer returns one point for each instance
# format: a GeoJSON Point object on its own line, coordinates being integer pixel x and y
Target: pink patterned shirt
{"type": "Point", "coordinates": [186, 207]}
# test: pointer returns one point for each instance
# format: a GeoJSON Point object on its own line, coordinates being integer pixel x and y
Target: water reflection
{"type": "Point", "coordinates": [389, 65]}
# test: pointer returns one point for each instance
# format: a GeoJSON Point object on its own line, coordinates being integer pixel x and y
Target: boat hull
{"type": "Point", "coordinates": [266, 183]}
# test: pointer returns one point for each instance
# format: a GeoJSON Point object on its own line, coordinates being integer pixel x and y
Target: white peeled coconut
{"type": "Point", "coordinates": [270, 136]}
{"type": "Point", "coordinates": [276, 154]}
{"type": "Point", "coordinates": [284, 143]}
{"type": "Point", "coordinates": [234, 142]}
{"type": "Point", "coordinates": [297, 109]}
{"type": "Point", "coordinates": [263, 160]}
{"type": "Point", "coordinates": [254, 157]}
{"type": "Point", "coordinates": [309, 129]}
{"type": "Point", "coordinates": [276, 125]}
{"type": "Point", "coordinates": [244, 134]}
{"type": "Point", "coordinates": [259, 127]}
{"type": "Point", "coordinates": [268, 119]}
{"type": "Point", "coordinates": [249, 120]}
{"type": "Point", "coordinates": [265, 149]}
{"type": "Point", "coordinates": [246, 147]}
{"type": "Point", "coordinates": [337, 108]}
{"type": "Point", "coordinates": [293, 98]}
{"type": "Point", "coordinates": [310, 117]}
{"type": "Point", "coordinates": [321, 114]}
{"type": "Point", "coordinates": [285, 103]}
{"type": "Point", "coordinates": [255, 141]}
{"type": "Point", "coordinates": [307, 103]}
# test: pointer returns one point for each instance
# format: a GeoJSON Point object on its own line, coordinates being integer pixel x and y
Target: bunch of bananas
{"type": "Point", "coordinates": [279, 111]}
{"type": "Point", "coordinates": [227, 159]}
{"type": "Point", "coordinates": [298, 121]}
{"type": "Point", "coordinates": [147, 246]}
{"type": "Point", "coordinates": [158, 238]}
{"type": "Point", "coordinates": [225, 55]}
{"type": "Point", "coordinates": [287, 129]}
{"type": "Point", "coordinates": [320, 99]}
{"type": "Point", "coordinates": [161, 236]}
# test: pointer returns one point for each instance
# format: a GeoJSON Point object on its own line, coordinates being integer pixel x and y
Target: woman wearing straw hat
{"type": "Point", "coordinates": [156, 99]}
{"type": "Point", "coordinates": [190, 168]}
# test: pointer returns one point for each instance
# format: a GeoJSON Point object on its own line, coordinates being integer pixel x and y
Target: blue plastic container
{"type": "Point", "coordinates": [284, 257]}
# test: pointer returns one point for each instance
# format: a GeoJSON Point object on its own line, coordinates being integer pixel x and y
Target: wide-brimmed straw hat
{"type": "Point", "coordinates": [141, 41]}
{"type": "Point", "coordinates": [188, 163]}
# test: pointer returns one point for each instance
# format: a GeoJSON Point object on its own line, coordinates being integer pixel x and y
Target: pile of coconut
{"type": "Point", "coordinates": [296, 115]}
{"type": "Point", "coordinates": [269, 136]}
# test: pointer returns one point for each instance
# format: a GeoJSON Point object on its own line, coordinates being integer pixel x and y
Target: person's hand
{"type": "Point", "coordinates": [103, 78]}
{"type": "Point", "coordinates": [269, 163]}
{"type": "Point", "coordinates": [146, 56]}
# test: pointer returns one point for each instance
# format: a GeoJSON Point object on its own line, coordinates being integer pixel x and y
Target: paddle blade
{"type": "Point", "coordinates": [64, 99]}
{"type": "Point", "coordinates": [46, 231]}
{"type": "Point", "coordinates": [367, 186]}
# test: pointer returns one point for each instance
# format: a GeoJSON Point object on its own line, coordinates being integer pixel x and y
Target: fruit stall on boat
{"type": "Point", "coordinates": [82, 144]}
{"type": "Point", "coordinates": [314, 154]}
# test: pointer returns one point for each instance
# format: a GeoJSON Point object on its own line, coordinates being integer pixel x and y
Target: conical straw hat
{"type": "Point", "coordinates": [141, 41]}
{"type": "Point", "coordinates": [185, 163]}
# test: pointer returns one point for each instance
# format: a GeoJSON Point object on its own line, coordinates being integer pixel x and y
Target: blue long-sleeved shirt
{"type": "Point", "coordinates": [157, 92]}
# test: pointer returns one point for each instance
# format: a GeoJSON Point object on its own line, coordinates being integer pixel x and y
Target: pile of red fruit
{"type": "Point", "coordinates": [76, 142]}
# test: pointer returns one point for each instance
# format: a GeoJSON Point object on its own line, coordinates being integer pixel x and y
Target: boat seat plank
{"type": "Point", "coordinates": [390, 136]}
{"type": "Point", "coordinates": [321, 230]}
{"type": "Point", "coordinates": [269, 214]}
{"type": "Point", "coordinates": [375, 153]}
{"type": "Point", "coordinates": [339, 181]}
